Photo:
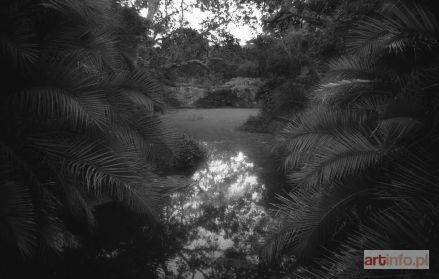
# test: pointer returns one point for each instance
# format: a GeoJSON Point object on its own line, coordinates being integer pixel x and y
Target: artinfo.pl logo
{"type": "Point", "coordinates": [396, 259]}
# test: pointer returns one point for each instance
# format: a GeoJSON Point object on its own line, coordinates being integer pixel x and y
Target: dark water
{"type": "Point", "coordinates": [222, 215]}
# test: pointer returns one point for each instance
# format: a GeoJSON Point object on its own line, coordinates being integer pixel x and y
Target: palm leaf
{"type": "Point", "coordinates": [353, 67]}
{"type": "Point", "coordinates": [19, 46]}
{"type": "Point", "coordinates": [310, 217]}
{"type": "Point", "coordinates": [52, 230]}
{"type": "Point", "coordinates": [350, 92]}
{"type": "Point", "coordinates": [103, 169]}
{"type": "Point", "coordinates": [397, 129]}
{"type": "Point", "coordinates": [400, 28]}
{"type": "Point", "coordinates": [349, 154]}
{"type": "Point", "coordinates": [139, 81]}
{"type": "Point", "coordinates": [76, 199]}
{"type": "Point", "coordinates": [314, 127]}
{"type": "Point", "coordinates": [90, 46]}
{"type": "Point", "coordinates": [22, 50]}
{"type": "Point", "coordinates": [56, 104]}
{"type": "Point", "coordinates": [140, 99]}
{"type": "Point", "coordinates": [18, 214]}
{"type": "Point", "coordinates": [15, 162]}
{"type": "Point", "coordinates": [84, 9]}
{"type": "Point", "coordinates": [150, 143]}
{"type": "Point", "coordinates": [82, 127]}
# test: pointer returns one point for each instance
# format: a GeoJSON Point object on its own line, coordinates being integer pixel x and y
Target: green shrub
{"type": "Point", "coordinates": [222, 97]}
{"type": "Point", "coordinates": [247, 69]}
{"type": "Point", "coordinates": [279, 99]}
{"type": "Point", "coordinates": [286, 98]}
{"type": "Point", "coordinates": [256, 124]}
{"type": "Point", "coordinates": [190, 154]}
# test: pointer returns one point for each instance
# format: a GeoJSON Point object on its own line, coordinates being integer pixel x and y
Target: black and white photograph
{"type": "Point", "coordinates": [219, 139]}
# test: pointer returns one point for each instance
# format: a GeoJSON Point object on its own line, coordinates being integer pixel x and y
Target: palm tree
{"type": "Point", "coordinates": [362, 160]}
{"type": "Point", "coordinates": [78, 123]}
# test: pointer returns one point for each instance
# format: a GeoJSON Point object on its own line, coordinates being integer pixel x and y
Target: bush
{"type": "Point", "coordinates": [222, 97]}
{"type": "Point", "coordinates": [247, 69]}
{"type": "Point", "coordinates": [278, 64]}
{"type": "Point", "coordinates": [190, 154]}
{"type": "Point", "coordinates": [289, 97]}
{"type": "Point", "coordinates": [280, 100]}
{"type": "Point", "coordinates": [263, 123]}
{"type": "Point", "coordinates": [256, 124]}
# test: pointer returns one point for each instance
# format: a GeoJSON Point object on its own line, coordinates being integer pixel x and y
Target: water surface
{"type": "Point", "coordinates": [222, 214]}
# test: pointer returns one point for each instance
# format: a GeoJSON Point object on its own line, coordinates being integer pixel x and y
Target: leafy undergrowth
{"type": "Point", "coordinates": [280, 99]}
{"type": "Point", "coordinates": [190, 155]}
{"type": "Point", "coordinates": [255, 124]}
{"type": "Point", "coordinates": [223, 98]}
{"type": "Point", "coordinates": [261, 124]}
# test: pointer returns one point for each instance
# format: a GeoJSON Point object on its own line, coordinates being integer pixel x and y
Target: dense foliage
{"type": "Point", "coordinates": [300, 38]}
{"type": "Point", "coordinates": [362, 157]}
{"type": "Point", "coordinates": [349, 88]}
{"type": "Point", "coordinates": [79, 127]}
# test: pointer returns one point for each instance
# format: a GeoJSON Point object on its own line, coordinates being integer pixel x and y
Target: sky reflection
{"type": "Point", "coordinates": [222, 216]}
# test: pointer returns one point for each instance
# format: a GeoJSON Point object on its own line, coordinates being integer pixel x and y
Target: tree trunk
{"type": "Point", "coordinates": [153, 7]}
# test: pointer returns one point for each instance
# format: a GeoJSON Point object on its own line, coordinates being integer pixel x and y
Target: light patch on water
{"type": "Point", "coordinates": [221, 214]}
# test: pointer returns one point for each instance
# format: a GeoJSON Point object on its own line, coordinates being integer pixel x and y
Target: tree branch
{"type": "Point", "coordinates": [185, 64]}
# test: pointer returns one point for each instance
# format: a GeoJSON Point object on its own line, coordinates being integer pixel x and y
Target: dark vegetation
{"type": "Point", "coordinates": [189, 155]}
{"type": "Point", "coordinates": [350, 93]}
{"type": "Point", "coordinates": [222, 97]}
{"type": "Point", "coordinates": [358, 142]}
{"type": "Point", "coordinates": [81, 143]}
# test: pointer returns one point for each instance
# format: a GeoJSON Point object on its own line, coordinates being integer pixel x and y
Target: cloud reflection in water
{"type": "Point", "coordinates": [222, 217]}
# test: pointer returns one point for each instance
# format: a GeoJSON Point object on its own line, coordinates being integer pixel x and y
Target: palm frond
{"type": "Point", "coordinates": [104, 170]}
{"type": "Point", "coordinates": [398, 226]}
{"type": "Point", "coordinates": [372, 104]}
{"type": "Point", "coordinates": [389, 228]}
{"type": "Point", "coordinates": [76, 199]}
{"type": "Point", "coordinates": [314, 127]}
{"type": "Point", "coordinates": [341, 264]}
{"type": "Point", "coordinates": [325, 144]}
{"type": "Point", "coordinates": [52, 230]}
{"type": "Point", "coordinates": [397, 208]}
{"type": "Point", "coordinates": [22, 50]}
{"type": "Point", "coordinates": [349, 154]}
{"type": "Point", "coordinates": [140, 99]}
{"type": "Point", "coordinates": [150, 142]}
{"type": "Point", "coordinates": [411, 180]}
{"type": "Point", "coordinates": [310, 217]}
{"type": "Point", "coordinates": [353, 67]}
{"type": "Point", "coordinates": [402, 27]}
{"type": "Point", "coordinates": [76, 123]}
{"type": "Point", "coordinates": [350, 92]}
{"type": "Point", "coordinates": [84, 9]}
{"type": "Point", "coordinates": [18, 214]}
{"type": "Point", "coordinates": [90, 46]}
{"type": "Point", "coordinates": [59, 105]}
{"type": "Point", "coordinates": [16, 162]}
{"type": "Point", "coordinates": [140, 81]}
{"type": "Point", "coordinates": [399, 128]}
{"type": "Point", "coordinates": [279, 237]}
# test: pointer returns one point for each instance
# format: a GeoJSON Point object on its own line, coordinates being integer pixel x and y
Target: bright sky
{"type": "Point", "coordinates": [241, 31]}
